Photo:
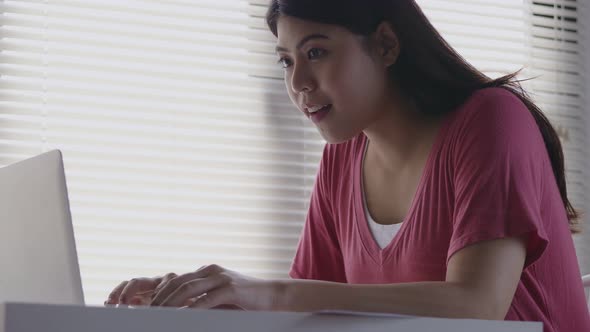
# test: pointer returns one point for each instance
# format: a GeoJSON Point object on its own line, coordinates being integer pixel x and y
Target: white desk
{"type": "Point", "coordinates": [17, 317]}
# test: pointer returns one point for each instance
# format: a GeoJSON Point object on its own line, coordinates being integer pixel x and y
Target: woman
{"type": "Point", "coordinates": [440, 192]}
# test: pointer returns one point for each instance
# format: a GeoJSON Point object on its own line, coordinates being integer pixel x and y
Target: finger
{"type": "Point", "coordinates": [192, 288]}
{"type": "Point", "coordinates": [189, 301]}
{"type": "Point", "coordinates": [163, 282]}
{"type": "Point", "coordinates": [174, 283]}
{"type": "Point", "coordinates": [134, 286]}
{"type": "Point", "coordinates": [166, 288]}
{"type": "Point", "coordinates": [114, 295]}
{"type": "Point", "coordinates": [219, 298]}
{"type": "Point", "coordinates": [207, 270]}
{"type": "Point", "coordinates": [227, 307]}
{"type": "Point", "coordinates": [136, 301]}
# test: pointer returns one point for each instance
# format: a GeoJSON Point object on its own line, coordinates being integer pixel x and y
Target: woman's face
{"type": "Point", "coordinates": [329, 65]}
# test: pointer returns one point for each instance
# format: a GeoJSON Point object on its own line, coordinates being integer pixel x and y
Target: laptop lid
{"type": "Point", "coordinates": [38, 260]}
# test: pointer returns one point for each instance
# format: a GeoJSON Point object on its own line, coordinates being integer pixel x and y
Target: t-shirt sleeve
{"type": "Point", "coordinates": [318, 255]}
{"type": "Point", "coordinates": [500, 164]}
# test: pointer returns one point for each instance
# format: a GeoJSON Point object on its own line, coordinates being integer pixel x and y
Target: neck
{"type": "Point", "coordinates": [400, 136]}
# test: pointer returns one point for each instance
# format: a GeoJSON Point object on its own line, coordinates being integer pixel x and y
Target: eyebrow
{"type": "Point", "coordinates": [303, 41]}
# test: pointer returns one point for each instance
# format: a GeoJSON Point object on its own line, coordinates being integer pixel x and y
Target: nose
{"type": "Point", "coordinates": [302, 79]}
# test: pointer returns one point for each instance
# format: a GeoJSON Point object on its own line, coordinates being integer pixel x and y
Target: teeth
{"type": "Point", "coordinates": [316, 108]}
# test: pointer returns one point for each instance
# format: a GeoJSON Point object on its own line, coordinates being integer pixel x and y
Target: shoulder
{"type": "Point", "coordinates": [495, 113]}
{"type": "Point", "coordinates": [493, 106]}
{"type": "Point", "coordinates": [492, 124]}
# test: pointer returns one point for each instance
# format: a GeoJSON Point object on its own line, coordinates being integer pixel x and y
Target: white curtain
{"type": "Point", "coordinates": [180, 145]}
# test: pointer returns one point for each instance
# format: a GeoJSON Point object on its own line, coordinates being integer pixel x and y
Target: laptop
{"type": "Point", "coordinates": [38, 260]}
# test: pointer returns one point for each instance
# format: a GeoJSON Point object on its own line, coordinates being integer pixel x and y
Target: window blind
{"type": "Point", "coordinates": [180, 144]}
{"type": "Point", "coordinates": [583, 240]}
{"type": "Point", "coordinates": [556, 59]}
{"type": "Point", "coordinates": [172, 156]}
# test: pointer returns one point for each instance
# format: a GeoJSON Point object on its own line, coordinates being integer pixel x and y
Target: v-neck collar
{"type": "Point", "coordinates": [377, 254]}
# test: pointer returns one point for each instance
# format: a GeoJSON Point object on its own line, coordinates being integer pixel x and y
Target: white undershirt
{"type": "Point", "coordinates": [383, 234]}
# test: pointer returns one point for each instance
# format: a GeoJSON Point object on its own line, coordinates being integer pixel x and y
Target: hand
{"type": "Point", "coordinates": [137, 291]}
{"type": "Point", "coordinates": [213, 287]}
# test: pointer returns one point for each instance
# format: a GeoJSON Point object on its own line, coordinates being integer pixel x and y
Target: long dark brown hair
{"type": "Point", "coordinates": [428, 69]}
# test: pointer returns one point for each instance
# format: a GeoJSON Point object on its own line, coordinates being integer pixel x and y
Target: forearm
{"type": "Point", "coordinates": [434, 299]}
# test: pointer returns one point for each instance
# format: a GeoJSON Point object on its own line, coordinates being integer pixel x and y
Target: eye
{"type": "Point", "coordinates": [315, 53]}
{"type": "Point", "coordinates": [284, 62]}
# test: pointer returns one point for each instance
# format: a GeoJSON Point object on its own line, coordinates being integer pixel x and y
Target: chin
{"type": "Point", "coordinates": [338, 138]}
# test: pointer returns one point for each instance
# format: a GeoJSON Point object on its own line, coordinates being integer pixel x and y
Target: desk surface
{"type": "Point", "coordinates": [21, 317]}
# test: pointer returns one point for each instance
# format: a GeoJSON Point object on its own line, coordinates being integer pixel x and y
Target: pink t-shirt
{"type": "Point", "coordinates": [488, 176]}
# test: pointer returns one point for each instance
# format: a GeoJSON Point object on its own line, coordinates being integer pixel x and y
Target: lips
{"type": "Point", "coordinates": [309, 109]}
{"type": "Point", "coordinates": [318, 116]}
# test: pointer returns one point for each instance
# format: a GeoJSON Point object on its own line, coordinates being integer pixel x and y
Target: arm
{"type": "Point", "coordinates": [497, 194]}
{"type": "Point", "coordinates": [480, 283]}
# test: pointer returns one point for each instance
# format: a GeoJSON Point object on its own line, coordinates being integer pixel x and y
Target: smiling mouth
{"type": "Point", "coordinates": [316, 109]}
{"type": "Point", "coordinates": [319, 114]}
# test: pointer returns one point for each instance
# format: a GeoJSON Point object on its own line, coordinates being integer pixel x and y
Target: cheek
{"type": "Point", "coordinates": [289, 90]}
{"type": "Point", "coordinates": [355, 83]}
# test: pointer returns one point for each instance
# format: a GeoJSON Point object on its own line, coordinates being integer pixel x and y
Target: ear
{"type": "Point", "coordinates": [387, 43]}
